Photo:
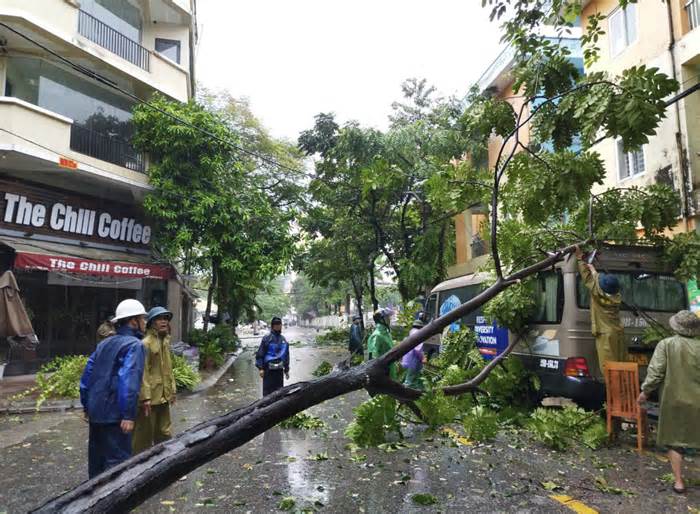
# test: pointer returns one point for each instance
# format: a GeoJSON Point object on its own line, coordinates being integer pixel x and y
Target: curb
{"type": "Point", "coordinates": [26, 407]}
{"type": "Point", "coordinates": [213, 379]}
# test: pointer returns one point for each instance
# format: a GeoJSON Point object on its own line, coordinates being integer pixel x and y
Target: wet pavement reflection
{"type": "Point", "coordinates": [47, 455]}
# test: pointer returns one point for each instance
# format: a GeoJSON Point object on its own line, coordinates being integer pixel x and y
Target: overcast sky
{"type": "Point", "coordinates": [296, 58]}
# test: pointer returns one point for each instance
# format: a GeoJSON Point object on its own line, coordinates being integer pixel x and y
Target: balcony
{"type": "Point", "coordinates": [114, 41]}
{"type": "Point", "coordinates": [69, 30]}
{"type": "Point", "coordinates": [108, 148]}
{"type": "Point", "coordinates": [692, 9]}
{"type": "Point", "coordinates": [36, 141]}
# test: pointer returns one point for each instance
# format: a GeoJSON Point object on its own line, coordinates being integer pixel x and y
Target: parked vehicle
{"type": "Point", "coordinates": [558, 345]}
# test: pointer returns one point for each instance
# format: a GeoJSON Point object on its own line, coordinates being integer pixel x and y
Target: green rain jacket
{"type": "Point", "coordinates": [379, 343]}
{"type": "Point", "coordinates": [676, 365]}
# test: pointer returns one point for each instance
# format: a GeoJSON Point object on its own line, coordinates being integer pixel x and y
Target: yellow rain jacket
{"type": "Point", "coordinates": [605, 319]}
{"type": "Point", "coordinates": [158, 380]}
{"type": "Point", "coordinates": [676, 365]}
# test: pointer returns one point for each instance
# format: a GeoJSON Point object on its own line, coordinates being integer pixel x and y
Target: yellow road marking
{"type": "Point", "coordinates": [456, 437]}
{"type": "Point", "coordinates": [573, 504]}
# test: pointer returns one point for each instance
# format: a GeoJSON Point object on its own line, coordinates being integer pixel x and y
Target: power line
{"type": "Point", "coordinates": [99, 78]}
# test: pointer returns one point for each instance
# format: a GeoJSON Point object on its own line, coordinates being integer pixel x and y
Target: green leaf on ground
{"type": "Point", "coordinates": [424, 499]}
{"type": "Point", "coordinates": [303, 421]}
{"type": "Point", "coordinates": [287, 503]}
{"type": "Point", "coordinates": [550, 486]}
{"type": "Point", "coordinates": [604, 487]}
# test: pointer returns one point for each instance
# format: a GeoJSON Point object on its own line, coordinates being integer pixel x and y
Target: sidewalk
{"type": "Point", "coordinates": [11, 386]}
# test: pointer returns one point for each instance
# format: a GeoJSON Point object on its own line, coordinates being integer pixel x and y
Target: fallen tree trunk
{"type": "Point", "coordinates": [127, 485]}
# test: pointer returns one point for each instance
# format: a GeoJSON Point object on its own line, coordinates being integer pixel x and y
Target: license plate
{"type": "Point", "coordinates": [640, 358]}
{"type": "Point", "coordinates": [549, 363]}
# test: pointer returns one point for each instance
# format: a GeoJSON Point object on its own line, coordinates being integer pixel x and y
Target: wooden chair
{"type": "Point", "coordinates": [622, 391]}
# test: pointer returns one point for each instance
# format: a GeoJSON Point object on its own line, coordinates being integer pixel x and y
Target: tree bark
{"type": "Point", "coordinates": [210, 293]}
{"type": "Point", "coordinates": [372, 285]}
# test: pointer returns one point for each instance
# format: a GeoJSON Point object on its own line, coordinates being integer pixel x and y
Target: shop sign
{"type": "Point", "coordinates": [32, 261]}
{"type": "Point", "coordinates": [47, 211]}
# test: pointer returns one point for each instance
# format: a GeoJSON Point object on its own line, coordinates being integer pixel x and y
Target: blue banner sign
{"type": "Point", "coordinates": [491, 340]}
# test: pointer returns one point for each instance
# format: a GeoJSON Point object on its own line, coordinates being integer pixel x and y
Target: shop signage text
{"type": "Point", "coordinates": [33, 261]}
{"type": "Point", "coordinates": [74, 220]}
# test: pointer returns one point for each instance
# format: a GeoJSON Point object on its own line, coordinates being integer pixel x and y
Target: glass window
{"type": "Point", "coordinates": [169, 48]}
{"type": "Point", "coordinates": [549, 298]}
{"type": "Point", "coordinates": [629, 163]}
{"type": "Point", "coordinates": [123, 16]}
{"type": "Point", "coordinates": [59, 91]}
{"type": "Point", "coordinates": [430, 306]}
{"type": "Point", "coordinates": [623, 28]}
{"type": "Point", "coordinates": [462, 294]}
{"type": "Point", "coordinates": [648, 291]}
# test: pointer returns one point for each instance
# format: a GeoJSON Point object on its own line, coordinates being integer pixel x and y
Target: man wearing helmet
{"type": "Point", "coordinates": [380, 341]}
{"type": "Point", "coordinates": [158, 387]}
{"type": "Point", "coordinates": [109, 388]}
{"type": "Point", "coordinates": [606, 299]}
{"type": "Point", "coordinates": [272, 358]}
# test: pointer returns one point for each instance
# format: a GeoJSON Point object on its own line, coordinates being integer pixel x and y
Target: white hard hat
{"type": "Point", "coordinates": [129, 308]}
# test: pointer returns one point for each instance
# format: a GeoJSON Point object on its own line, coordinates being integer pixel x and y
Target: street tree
{"type": "Point", "coordinates": [216, 213]}
{"type": "Point", "coordinates": [540, 207]}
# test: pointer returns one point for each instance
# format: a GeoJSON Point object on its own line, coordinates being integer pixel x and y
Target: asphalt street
{"type": "Point", "coordinates": [42, 455]}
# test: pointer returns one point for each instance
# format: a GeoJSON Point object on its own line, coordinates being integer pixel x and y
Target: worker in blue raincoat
{"type": "Point", "coordinates": [109, 388]}
{"type": "Point", "coordinates": [272, 358]}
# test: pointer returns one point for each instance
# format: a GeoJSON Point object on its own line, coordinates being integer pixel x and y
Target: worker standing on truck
{"type": "Point", "coordinates": [606, 299]}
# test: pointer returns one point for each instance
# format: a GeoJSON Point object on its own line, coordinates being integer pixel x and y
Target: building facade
{"type": "Point", "coordinates": [72, 226]}
{"type": "Point", "coordinates": [663, 35]}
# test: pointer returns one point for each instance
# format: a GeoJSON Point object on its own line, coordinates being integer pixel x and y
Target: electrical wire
{"type": "Point", "coordinates": [103, 80]}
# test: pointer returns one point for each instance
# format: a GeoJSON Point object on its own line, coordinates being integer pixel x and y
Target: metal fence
{"type": "Point", "coordinates": [113, 40]}
{"type": "Point", "coordinates": [107, 148]}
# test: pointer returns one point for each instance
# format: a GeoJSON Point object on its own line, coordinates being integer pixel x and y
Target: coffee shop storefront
{"type": "Point", "coordinates": [75, 258]}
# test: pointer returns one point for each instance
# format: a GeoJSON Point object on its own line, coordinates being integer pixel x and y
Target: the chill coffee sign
{"type": "Point", "coordinates": [63, 217]}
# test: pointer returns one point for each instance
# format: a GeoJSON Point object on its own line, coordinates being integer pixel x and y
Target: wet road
{"type": "Point", "coordinates": [44, 455]}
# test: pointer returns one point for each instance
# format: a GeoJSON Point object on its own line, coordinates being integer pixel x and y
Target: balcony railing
{"type": "Point", "coordinates": [692, 8]}
{"type": "Point", "coordinates": [114, 41]}
{"type": "Point", "coordinates": [106, 148]}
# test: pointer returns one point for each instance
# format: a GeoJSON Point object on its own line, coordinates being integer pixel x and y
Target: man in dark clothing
{"type": "Point", "coordinates": [356, 336]}
{"type": "Point", "coordinates": [109, 388]}
{"type": "Point", "coordinates": [272, 358]}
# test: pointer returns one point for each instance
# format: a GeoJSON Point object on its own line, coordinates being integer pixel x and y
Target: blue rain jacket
{"type": "Point", "coordinates": [272, 347]}
{"type": "Point", "coordinates": [111, 381]}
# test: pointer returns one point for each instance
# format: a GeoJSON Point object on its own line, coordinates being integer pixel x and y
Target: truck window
{"type": "Point", "coordinates": [549, 297]}
{"type": "Point", "coordinates": [430, 306]}
{"type": "Point", "coordinates": [463, 294]}
{"type": "Point", "coordinates": [648, 291]}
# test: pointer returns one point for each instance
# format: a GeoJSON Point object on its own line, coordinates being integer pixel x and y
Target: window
{"type": "Point", "coordinates": [629, 164]}
{"type": "Point", "coordinates": [453, 297]}
{"type": "Point", "coordinates": [648, 291]}
{"type": "Point", "coordinates": [89, 105]}
{"type": "Point", "coordinates": [549, 298]}
{"type": "Point", "coordinates": [430, 306]}
{"type": "Point", "coordinates": [623, 29]}
{"type": "Point", "coordinates": [170, 48]}
{"type": "Point", "coordinates": [121, 15]}
{"type": "Point", "coordinates": [692, 8]}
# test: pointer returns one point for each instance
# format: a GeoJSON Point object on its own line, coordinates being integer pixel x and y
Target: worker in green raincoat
{"type": "Point", "coordinates": [676, 365]}
{"type": "Point", "coordinates": [380, 341]}
{"type": "Point", "coordinates": [606, 299]}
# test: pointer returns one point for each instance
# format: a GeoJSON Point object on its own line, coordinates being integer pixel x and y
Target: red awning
{"type": "Point", "coordinates": [48, 256]}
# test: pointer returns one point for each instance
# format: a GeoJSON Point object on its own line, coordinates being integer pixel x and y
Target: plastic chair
{"type": "Point", "coordinates": [622, 391]}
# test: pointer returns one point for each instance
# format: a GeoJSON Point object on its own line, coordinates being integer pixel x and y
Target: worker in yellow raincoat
{"type": "Point", "coordinates": [676, 366]}
{"type": "Point", "coordinates": [606, 300]}
{"type": "Point", "coordinates": [158, 388]}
